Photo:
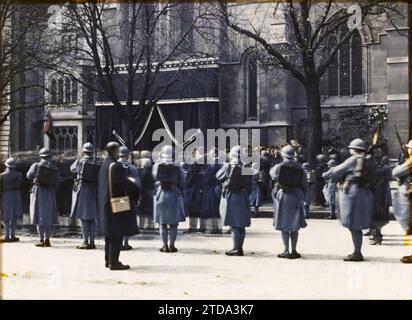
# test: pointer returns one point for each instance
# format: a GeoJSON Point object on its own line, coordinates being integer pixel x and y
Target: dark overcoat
{"type": "Point", "coordinates": [234, 206]}
{"type": "Point", "coordinates": [255, 197]}
{"type": "Point", "coordinates": [382, 196]}
{"type": "Point", "coordinates": [43, 208]}
{"type": "Point", "coordinates": [84, 201]}
{"type": "Point", "coordinates": [11, 201]}
{"type": "Point", "coordinates": [355, 201]}
{"type": "Point", "coordinates": [115, 224]}
{"type": "Point", "coordinates": [210, 200]}
{"type": "Point", "coordinates": [288, 204]}
{"type": "Point", "coordinates": [194, 189]}
{"type": "Point", "coordinates": [147, 183]}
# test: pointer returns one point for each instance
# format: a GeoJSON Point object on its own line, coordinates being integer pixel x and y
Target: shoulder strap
{"type": "Point", "coordinates": [110, 179]}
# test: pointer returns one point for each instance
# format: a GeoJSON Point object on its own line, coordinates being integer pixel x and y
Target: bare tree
{"type": "Point", "coordinates": [127, 53]}
{"type": "Point", "coordinates": [306, 55]}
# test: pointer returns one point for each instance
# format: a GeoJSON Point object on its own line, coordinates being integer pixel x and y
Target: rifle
{"type": "Point", "coordinates": [405, 153]}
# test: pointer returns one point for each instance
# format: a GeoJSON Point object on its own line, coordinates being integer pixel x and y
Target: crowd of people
{"type": "Point", "coordinates": [108, 196]}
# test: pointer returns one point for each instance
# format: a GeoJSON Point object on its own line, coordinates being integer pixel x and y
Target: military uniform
{"type": "Point", "coordinates": [10, 200]}
{"type": "Point", "coordinates": [255, 198]}
{"type": "Point", "coordinates": [210, 200]}
{"type": "Point", "coordinates": [43, 208]}
{"type": "Point", "coordinates": [168, 201]}
{"type": "Point", "coordinates": [194, 197]}
{"type": "Point", "coordinates": [329, 191]}
{"type": "Point", "coordinates": [355, 197]}
{"type": "Point", "coordinates": [288, 203]}
{"type": "Point", "coordinates": [234, 202]}
{"type": "Point", "coordinates": [84, 203]}
{"type": "Point", "coordinates": [310, 179]}
{"type": "Point", "coordinates": [147, 184]}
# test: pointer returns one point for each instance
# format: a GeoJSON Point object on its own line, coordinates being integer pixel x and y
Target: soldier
{"type": "Point", "coordinates": [84, 203]}
{"type": "Point", "coordinates": [10, 199]}
{"type": "Point", "coordinates": [355, 196]}
{"type": "Point", "coordinates": [43, 209]}
{"type": "Point", "coordinates": [168, 199]}
{"type": "Point", "coordinates": [310, 179]}
{"type": "Point", "coordinates": [329, 191]}
{"type": "Point", "coordinates": [382, 200]}
{"type": "Point", "coordinates": [147, 184]}
{"type": "Point", "coordinates": [255, 197]}
{"type": "Point", "coordinates": [288, 200]}
{"type": "Point", "coordinates": [321, 167]}
{"type": "Point", "coordinates": [210, 200]}
{"type": "Point", "coordinates": [234, 203]}
{"type": "Point", "coordinates": [133, 173]}
{"type": "Point", "coordinates": [194, 194]}
{"type": "Point", "coordinates": [115, 224]}
{"type": "Point", "coordinates": [402, 197]}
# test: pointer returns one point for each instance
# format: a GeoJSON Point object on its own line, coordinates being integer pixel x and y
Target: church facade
{"type": "Point", "coordinates": [230, 88]}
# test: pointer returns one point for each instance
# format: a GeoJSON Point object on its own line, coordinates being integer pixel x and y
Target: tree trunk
{"type": "Point", "coordinates": [314, 119]}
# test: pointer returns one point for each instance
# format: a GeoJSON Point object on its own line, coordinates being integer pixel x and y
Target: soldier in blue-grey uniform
{"type": "Point", "coordinates": [10, 200]}
{"type": "Point", "coordinates": [84, 203]}
{"type": "Point", "coordinates": [132, 173]}
{"type": "Point", "coordinates": [310, 179]}
{"type": "Point", "coordinates": [355, 196]}
{"type": "Point", "coordinates": [288, 202]}
{"type": "Point", "coordinates": [234, 202]}
{"type": "Point", "coordinates": [43, 209]}
{"type": "Point", "coordinates": [329, 191]}
{"type": "Point", "coordinates": [402, 197]}
{"type": "Point", "coordinates": [169, 208]}
{"type": "Point", "coordinates": [210, 200]}
{"type": "Point", "coordinates": [255, 197]}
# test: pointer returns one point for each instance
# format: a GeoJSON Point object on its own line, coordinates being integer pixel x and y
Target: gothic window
{"type": "Point", "coordinates": [65, 139]}
{"type": "Point", "coordinates": [74, 91]}
{"type": "Point", "coordinates": [251, 89]}
{"type": "Point", "coordinates": [60, 91]}
{"type": "Point", "coordinates": [345, 71]}
{"type": "Point", "coordinates": [53, 91]}
{"type": "Point", "coordinates": [67, 90]}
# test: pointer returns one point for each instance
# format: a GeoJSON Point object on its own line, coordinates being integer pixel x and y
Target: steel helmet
{"type": "Point", "coordinates": [357, 144]}
{"type": "Point", "coordinates": [88, 147]}
{"type": "Point", "coordinates": [10, 163]}
{"type": "Point", "coordinates": [44, 153]}
{"type": "Point", "coordinates": [287, 152]}
{"type": "Point", "coordinates": [124, 151]}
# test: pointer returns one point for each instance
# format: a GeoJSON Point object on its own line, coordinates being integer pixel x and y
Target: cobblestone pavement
{"type": "Point", "coordinates": [200, 270]}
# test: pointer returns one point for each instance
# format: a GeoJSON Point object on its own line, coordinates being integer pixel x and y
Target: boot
{"type": "Point", "coordinates": [235, 252]}
{"type": "Point", "coordinates": [47, 243]}
{"type": "Point", "coordinates": [164, 249]}
{"type": "Point", "coordinates": [284, 255]}
{"type": "Point", "coordinates": [119, 266]}
{"type": "Point", "coordinates": [14, 239]}
{"type": "Point", "coordinates": [91, 246]}
{"type": "Point", "coordinates": [126, 247]}
{"type": "Point", "coordinates": [84, 245]}
{"type": "Point", "coordinates": [6, 239]}
{"type": "Point", "coordinates": [376, 240]}
{"type": "Point", "coordinates": [40, 244]}
{"type": "Point", "coordinates": [407, 259]}
{"type": "Point", "coordinates": [172, 249]}
{"type": "Point", "coordinates": [295, 255]}
{"type": "Point", "coordinates": [354, 257]}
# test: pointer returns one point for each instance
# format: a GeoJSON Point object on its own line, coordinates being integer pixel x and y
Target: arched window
{"type": "Point", "coordinates": [74, 91]}
{"type": "Point", "coordinates": [53, 91]}
{"type": "Point", "coordinates": [67, 90]}
{"type": "Point", "coordinates": [345, 71]}
{"type": "Point", "coordinates": [251, 88]}
{"type": "Point", "coordinates": [60, 89]}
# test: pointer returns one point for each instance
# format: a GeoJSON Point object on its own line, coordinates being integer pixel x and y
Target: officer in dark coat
{"type": "Point", "coordinates": [43, 208]}
{"type": "Point", "coordinates": [132, 173]}
{"type": "Point", "coordinates": [402, 197]}
{"type": "Point", "coordinates": [84, 203]}
{"type": "Point", "coordinates": [147, 184]}
{"type": "Point", "coordinates": [10, 199]}
{"type": "Point", "coordinates": [355, 196]}
{"type": "Point", "coordinates": [210, 199]}
{"type": "Point", "coordinates": [382, 199]}
{"type": "Point", "coordinates": [255, 197]}
{"type": "Point", "coordinates": [168, 199]}
{"type": "Point", "coordinates": [115, 226]}
{"type": "Point", "coordinates": [234, 203]}
{"type": "Point", "coordinates": [288, 203]}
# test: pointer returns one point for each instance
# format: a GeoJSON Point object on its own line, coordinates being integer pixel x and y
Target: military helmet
{"type": "Point", "coordinates": [10, 163]}
{"type": "Point", "coordinates": [332, 162]}
{"type": "Point", "coordinates": [357, 144]}
{"type": "Point", "coordinates": [409, 145]}
{"type": "Point", "coordinates": [306, 165]}
{"type": "Point", "coordinates": [124, 151]}
{"type": "Point", "coordinates": [88, 147]}
{"type": "Point", "coordinates": [321, 157]}
{"type": "Point", "coordinates": [287, 152]}
{"type": "Point", "coordinates": [44, 153]}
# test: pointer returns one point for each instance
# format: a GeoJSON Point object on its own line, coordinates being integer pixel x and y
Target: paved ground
{"type": "Point", "coordinates": [200, 270]}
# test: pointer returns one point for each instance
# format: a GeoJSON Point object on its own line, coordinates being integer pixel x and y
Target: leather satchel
{"type": "Point", "coordinates": [118, 204]}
